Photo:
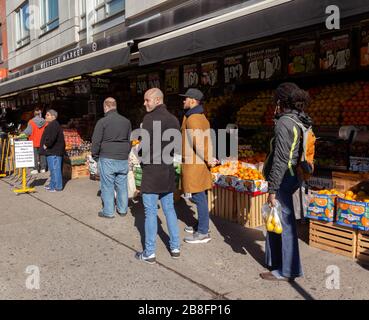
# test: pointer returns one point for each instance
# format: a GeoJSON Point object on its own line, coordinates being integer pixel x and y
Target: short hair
{"type": "Point", "coordinates": [37, 112]}
{"type": "Point", "coordinates": [111, 103]}
{"type": "Point", "coordinates": [53, 113]}
{"type": "Point", "coordinates": [156, 93]}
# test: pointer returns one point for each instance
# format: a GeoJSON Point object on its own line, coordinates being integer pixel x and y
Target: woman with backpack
{"type": "Point", "coordinates": [282, 171]}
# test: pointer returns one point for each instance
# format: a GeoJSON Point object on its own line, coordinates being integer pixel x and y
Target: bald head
{"type": "Point", "coordinates": [110, 104]}
{"type": "Point", "coordinates": [153, 98]}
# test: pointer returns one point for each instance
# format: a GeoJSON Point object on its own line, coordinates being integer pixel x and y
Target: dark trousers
{"type": "Point", "coordinates": [282, 251]}
{"type": "Point", "coordinates": [40, 160]}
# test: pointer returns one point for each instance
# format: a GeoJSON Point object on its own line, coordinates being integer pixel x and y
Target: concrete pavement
{"type": "Point", "coordinates": [82, 256]}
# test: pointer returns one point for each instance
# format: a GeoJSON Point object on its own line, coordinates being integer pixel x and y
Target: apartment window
{"type": "Point", "coordinates": [22, 24]}
{"type": "Point", "coordinates": [107, 8]}
{"type": "Point", "coordinates": [49, 15]}
{"type": "Point", "coordinates": [82, 10]}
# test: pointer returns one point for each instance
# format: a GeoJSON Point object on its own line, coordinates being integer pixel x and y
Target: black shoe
{"type": "Point", "coordinates": [150, 260]}
{"type": "Point", "coordinates": [122, 214]}
{"type": "Point", "coordinates": [101, 215]}
{"type": "Point", "coordinates": [175, 254]}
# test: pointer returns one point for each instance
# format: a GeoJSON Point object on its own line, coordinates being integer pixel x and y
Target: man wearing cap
{"type": "Point", "coordinates": [197, 160]}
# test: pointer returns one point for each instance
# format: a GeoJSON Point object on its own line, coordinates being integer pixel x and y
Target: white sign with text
{"type": "Point", "coordinates": [24, 155]}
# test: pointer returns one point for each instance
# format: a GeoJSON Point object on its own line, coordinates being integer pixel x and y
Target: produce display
{"type": "Point", "coordinates": [72, 139]}
{"type": "Point", "coordinates": [214, 104]}
{"type": "Point", "coordinates": [326, 107]}
{"type": "Point", "coordinates": [245, 154]}
{"type": "Point", "coordinates": [331, 154]}
{"type": "Point", "coordinates": [252, 114]}
{"type": "Point", "coordinates": [356, 110]}
{"type": "Point", "coordinates": [78, 155]}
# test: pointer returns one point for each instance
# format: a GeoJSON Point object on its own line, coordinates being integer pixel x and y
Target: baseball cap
{"type": "Point", "coordinates": [194, 94]}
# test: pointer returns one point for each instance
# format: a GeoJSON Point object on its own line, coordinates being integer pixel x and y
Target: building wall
{"type": "Point", "coordinates": [134, 7]}
{"type": "Point", "coordinates": [66, 35]}
{"type": "Point", "coordinates": [4, 63]}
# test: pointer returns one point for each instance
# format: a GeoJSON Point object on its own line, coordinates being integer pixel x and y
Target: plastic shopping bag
{"type": "Point", "coordinates": [272, 218]}
{"type": "Point", "coordinates": [92, 165]}
{"type": "Point", "coordinates": [131, 184]}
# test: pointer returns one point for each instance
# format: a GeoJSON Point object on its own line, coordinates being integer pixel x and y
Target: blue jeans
{"type": "Point", "coordinates": [150, 201]}
{"type": "Point", "coordinates": [201, 202]}
{"type": "Point", "coordinates": [113, 176]}
{"type": "Point", "coordinates": [55, 167]}
{"type": "Point", "coordinates": [282, 251]}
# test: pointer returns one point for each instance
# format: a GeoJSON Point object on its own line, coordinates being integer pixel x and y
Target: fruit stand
{"type": "Point", "coordinates": [238, 194]}
{"type": "Point", "coordinates": [75, 161]}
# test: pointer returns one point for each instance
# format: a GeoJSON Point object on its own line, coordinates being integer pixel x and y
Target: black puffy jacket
{"type": "Point", "coordinates": [285, 148]}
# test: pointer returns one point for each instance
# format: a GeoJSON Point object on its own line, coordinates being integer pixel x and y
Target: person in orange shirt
{"type": "Point", "coordinates": [34, 131]}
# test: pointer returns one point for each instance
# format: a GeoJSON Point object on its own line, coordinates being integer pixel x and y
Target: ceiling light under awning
{"type": "Point", "coordinates": [101, 72]}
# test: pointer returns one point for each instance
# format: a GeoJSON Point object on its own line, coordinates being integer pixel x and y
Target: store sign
{"type": "Point", "coordinates": [359, 164]}
{"type": "Point", "coordinates": [141, 84]}
{"type": "Point", "coordinates": [364, 47]}
{"type": "Point", "coordinates": [233, 69]}
{"type": "Point", "coordinates": [264, 64]}
{"type": "Point", "coordinates": [172, 81]}
{"type": "Point", "coordinates": [320, 183]}
{"type": "Point", "coordinates": [190, 76]}
{"type": "Point", "coordinates": [24, 154]}
{"type": "Point", "coordinates": [335, 53]}
{"type": "Point", "coordinates": [302, 57]}
{"type": "Point", "coordinates": [82, 87]}
{"type": "Point", "coordinates": [154, 80]}
{"type": "Point", "coordinates": [209, 73]}
{"type": "Point", "coordinates": [98, 83]}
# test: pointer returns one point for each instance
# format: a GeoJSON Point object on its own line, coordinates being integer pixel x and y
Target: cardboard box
{"type": "Point", "coordinates": [321, 207]}
{"type": "Point", "coordinates": [343, 181]}
{"type": "Point", "coordinates": [353, 214]}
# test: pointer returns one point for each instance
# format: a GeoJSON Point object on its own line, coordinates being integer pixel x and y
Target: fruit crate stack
{"type": "Point", "coordinates": [238, 194]}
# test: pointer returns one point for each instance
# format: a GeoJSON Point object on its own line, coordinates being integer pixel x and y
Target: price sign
{"type": "Point", "coordinates": [302, 57]}
{"type": "Point", "coordinates": [24, 154]}
{"type": "Point", "coordinates": [233, 69]}
{"type": "Point", "coordinates": [190, 76]}
{"type": "Point", "coordinates": [154, 80]}
{"type": "Point", "coordinates": [209, 73]}
{"type": "Point", "coordinates": [264, 64]}
{"type": "Point", "coordinates": [172, 81]}
{"type": "Point", "coordinates": [364, 47]}
{"type": "Point", "coordinates": [335, 53]}
{"type": "Point", "coordinates": [142, 86]}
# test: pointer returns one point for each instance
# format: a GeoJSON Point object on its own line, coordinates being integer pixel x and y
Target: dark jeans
{"type": "Point", "coordinates": [40, 160]}
{"type": "Point", "coordinates": [282, 251]}
{"type": "Point", "coordinates": [201, 202]}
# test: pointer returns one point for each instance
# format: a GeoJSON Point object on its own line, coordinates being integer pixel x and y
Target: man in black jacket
{"type": "Point", "coordinates": [53, 146]}
{"type": "Point", "coordinates": [111, 145]}
{"type": "Point", "coordinates": [158, 173]}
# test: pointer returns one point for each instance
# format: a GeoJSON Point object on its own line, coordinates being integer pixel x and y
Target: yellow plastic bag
{"type": "Point", "coordinates": [272, 218]}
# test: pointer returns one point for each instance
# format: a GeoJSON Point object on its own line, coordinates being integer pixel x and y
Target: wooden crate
{"type": "Point", "coordinates": [333, 238]}
{"type": "Point", "coordinates": [75, 172]}
{"type": "Point", "coordinates": [363, 247]}
{"type": "Point", "coordinates": [236, 207]}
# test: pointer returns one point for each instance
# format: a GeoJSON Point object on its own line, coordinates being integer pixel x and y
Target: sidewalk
{"type": "Point", "coordinates": [82, 256]}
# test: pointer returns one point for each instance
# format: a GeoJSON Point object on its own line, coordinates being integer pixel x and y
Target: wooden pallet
{"type": "Point", "coordinates": [332, 238]}
{"type": "Point", "coordinates": [75, 172]}
{"type": "Point", "coordinates": [236, 207]}
{"type": "Point", "coordinates": [363, 247]}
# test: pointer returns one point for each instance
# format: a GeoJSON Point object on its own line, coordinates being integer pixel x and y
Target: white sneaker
{"type": "Point", "coordinates": [34, 172]}
{"type": "Point", "coordinates": [43, 171]}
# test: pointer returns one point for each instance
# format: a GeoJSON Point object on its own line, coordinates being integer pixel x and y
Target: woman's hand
{"type": "Point", "coordinates": [272, 201]}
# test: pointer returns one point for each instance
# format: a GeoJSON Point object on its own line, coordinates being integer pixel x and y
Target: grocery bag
{"type": "Point", "coordinates": [131, 184]}
{"type": "Point", "coordinates": [272, 217]}
{"type": "Point", "coordinates": [92, 165]}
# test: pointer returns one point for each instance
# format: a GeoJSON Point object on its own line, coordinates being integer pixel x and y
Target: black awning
{"type": "Point", "coordinates": [281, 18]}
{"type": "Point", "coordinates": [109, 58]}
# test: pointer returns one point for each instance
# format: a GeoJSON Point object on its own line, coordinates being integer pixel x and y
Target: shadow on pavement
{"type": "Point", "coordinates": [138, 212]}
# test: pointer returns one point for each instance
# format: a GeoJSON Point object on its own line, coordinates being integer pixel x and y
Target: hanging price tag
{"type": "Point", "coordinates": [233, 69]}
{"type": "Point", "coordinates": [190, 76]}
{"type": "Point", "coordinates": [172, 81]}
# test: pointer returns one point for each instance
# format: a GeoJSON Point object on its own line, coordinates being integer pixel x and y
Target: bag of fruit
{"type": "Point", "coordinates": [272, 217]}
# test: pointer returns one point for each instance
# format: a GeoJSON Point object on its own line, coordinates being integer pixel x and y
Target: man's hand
{"type": "Point", "coordinates": [272, 201]}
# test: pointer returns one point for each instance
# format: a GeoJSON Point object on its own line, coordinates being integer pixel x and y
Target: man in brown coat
{"type": "Point", "coordinates": [197, 160]}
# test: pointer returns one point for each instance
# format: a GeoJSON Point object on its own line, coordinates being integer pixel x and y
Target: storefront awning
{"type": "Point", "coordinates": [111, 57]}
{"type": "Point", "coordinates": [261, 19]}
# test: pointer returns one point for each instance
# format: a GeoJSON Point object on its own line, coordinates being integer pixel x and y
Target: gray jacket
{"type": "Point", "coordinates": [111, 137]}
